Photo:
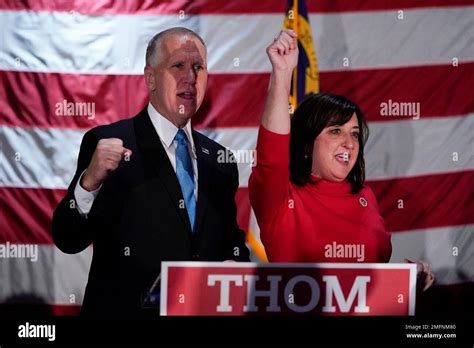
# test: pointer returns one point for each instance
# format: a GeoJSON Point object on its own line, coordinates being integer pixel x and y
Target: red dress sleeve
{"type": "Point", "coordinates": [269, 181]}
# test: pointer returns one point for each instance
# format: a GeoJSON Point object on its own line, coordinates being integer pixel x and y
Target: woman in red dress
{"type": "Point", "coordinates": [307, 188]}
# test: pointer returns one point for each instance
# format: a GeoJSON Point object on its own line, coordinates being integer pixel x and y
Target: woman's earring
{"type": "Point", "coordinates": [306, 157]}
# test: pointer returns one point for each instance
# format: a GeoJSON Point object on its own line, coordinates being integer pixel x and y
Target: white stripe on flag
{"type": "Point", "coordinates": [46, 158]}
{"type": "Point", "coordinates": [115, 44]}
{"type": "Point", "coordinates": [448, 250]}
{"type": "Point", "coordinates": [55, 277]}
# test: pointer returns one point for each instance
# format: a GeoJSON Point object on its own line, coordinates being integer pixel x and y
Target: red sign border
{"type": "Point", "coordinates": [165, 265]}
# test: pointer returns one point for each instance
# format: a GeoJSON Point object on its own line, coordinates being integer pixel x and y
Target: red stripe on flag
{"type": "Point", "coordinates": [441, 90]}
{"type": "Point", "coordinates": [65, 309]}
{"type": "Point", "coordinates": [206, 7]}
{"type": "Point", "coordinates": [28, 309]}
{"type": "Point", "coordinates": [428, 201]}
{"type": "Point", "coordinates": [27, 214]}
{"type": "Point", "coordinates": [32, 98]}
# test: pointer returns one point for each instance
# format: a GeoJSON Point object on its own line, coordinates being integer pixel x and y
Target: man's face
{"type": "Point", "coordinates": [335, 150]}
{"type": "Point", "coordinates": [178, 80]}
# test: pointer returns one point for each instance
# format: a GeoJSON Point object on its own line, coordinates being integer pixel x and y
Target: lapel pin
{"type": "Point", "coordinates": [363, 201]}
{"type": "Point", "coordinates": [206, 151]}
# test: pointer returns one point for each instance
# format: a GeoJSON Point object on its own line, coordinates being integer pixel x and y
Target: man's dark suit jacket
{"type": "Point", "coordinates": [137, 221]}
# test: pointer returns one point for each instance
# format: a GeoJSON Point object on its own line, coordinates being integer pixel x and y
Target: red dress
{"type": "Point", "coordinates": [319, 222]}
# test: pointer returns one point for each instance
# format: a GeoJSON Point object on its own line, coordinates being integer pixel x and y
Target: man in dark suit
{"type": "Point", "coordinates": [150, 188]}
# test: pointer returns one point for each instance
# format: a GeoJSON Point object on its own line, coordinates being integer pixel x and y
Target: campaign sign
{"type": "Point", "coordinates": [238, 288]}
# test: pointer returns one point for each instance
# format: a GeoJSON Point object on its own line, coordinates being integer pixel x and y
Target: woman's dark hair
{"type": "Point", "coordinates": [315, 113]}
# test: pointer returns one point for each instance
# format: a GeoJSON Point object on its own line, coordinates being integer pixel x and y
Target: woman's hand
{"type": "Point", "coordinates": [283, 52]}
{"type": "Point", "coordinates": [424, 274]}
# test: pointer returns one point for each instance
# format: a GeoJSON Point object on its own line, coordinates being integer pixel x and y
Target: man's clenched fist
{"type": "Point", "coordinates": [107, 156]}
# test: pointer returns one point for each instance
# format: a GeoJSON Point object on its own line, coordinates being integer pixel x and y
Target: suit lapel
{"type": "Point", "coordinates": [154, 153]}
{"type": "Point", "coordinates": [205, 173]}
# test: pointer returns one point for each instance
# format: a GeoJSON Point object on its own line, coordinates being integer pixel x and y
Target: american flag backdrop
{"type": "Point", "coordinates": [69, 65]}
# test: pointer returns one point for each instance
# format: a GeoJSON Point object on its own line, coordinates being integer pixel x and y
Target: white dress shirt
{"type": "Point", "coordinates": [166, 132]}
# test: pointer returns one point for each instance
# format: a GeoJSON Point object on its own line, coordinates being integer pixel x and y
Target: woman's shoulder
{"type": "Point", "coordinates": [272, 149]}
{"type": "Point", "coordinates": [368, 194]}
{"type": "Point", "coordinates": [367, 190]}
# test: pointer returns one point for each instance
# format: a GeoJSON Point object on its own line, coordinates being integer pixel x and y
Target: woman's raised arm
{"type": "Point", "coordinates": [283, 54]}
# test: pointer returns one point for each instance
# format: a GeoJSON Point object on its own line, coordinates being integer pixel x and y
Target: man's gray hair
{"type": "Point", "coordinates": [152, 45]}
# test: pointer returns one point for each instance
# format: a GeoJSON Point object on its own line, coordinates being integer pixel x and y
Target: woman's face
{"type": "Point", "coordinates": [335, 150]}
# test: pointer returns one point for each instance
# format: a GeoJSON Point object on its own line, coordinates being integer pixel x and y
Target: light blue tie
{"type": "Point", "coordinates": [184, 172]}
